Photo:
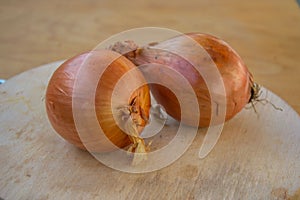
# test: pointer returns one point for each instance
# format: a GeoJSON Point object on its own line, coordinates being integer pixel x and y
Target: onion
{"type": "Point", "coordinates": [238, 82]}
{"type": "Point", "coordinates": [60, 96]}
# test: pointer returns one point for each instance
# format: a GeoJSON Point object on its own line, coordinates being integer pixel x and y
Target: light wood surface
{"type": "Point", "coordinates": [257, 156]}
{"type": "Point", "coordinates": [266, 33]}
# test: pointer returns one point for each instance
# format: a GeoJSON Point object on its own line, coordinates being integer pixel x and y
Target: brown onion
{"type": "Point", "coordinates": [59, 97]}
{"type": "Point", "coordinates": [238, 82]}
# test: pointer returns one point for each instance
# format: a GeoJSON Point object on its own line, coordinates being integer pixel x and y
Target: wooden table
{"type": "Point", "coordinates": [265, 33]}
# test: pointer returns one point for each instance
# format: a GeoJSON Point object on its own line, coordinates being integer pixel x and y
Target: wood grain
{"type": "Point", "coordinates": [257, 156]}
{"type": "Point", "coordinates": [265, 33]}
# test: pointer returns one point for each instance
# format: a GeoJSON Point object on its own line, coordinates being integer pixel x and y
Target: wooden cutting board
{"type": "Point", "coordinates": [256, 157]}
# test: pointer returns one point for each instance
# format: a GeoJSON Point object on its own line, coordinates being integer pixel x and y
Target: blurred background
{"type": "Point", "coordinates": [266, 33]}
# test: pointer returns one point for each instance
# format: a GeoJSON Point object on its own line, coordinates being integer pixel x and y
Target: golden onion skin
{"type": "Point", "coordinates": [59, 100]}
{"type": "Point", "coordinates": [238, 81]}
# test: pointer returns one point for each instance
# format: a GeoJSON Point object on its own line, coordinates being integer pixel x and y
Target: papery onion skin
{"type": "Point", "coordinates": [238, 81]}
{"type": "Point", "coordinates": [59, 100]}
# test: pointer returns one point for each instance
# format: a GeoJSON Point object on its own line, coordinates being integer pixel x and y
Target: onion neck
{"type": "Point", "coordinates": [139, 149]}
{"type": "Point", "coordinates": [126, 48]}
{"type": "Point", "coordinates": [130, 121]}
